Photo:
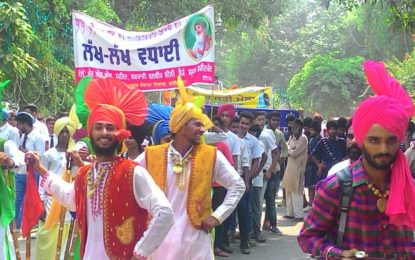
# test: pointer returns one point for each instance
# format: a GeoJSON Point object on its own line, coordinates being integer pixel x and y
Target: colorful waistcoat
{"type": "Point", "coordinates": [124, 221]}
{"type": "Point", "coordinates": [199, 202]}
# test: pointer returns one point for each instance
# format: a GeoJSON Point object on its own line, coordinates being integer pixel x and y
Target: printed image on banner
{"type": "Point", "coordinates": [149, 61]}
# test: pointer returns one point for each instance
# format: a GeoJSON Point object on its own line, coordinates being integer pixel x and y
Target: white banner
{"type": "Point", "coordinates": [147, 60]}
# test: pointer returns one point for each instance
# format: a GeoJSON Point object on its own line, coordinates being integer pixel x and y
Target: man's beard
{"type": "Point", "coordinates": [200, 38]}
{"type": "Point", "coordinates": [104, 151]}
{"type": "Point", "coordinates": [371, 160]}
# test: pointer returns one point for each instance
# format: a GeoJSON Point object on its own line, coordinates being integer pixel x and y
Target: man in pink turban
{"type": "Point", "coordinates": [377, 218]}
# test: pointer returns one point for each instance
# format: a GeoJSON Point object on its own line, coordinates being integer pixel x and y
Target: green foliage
{"type": "Point", "coordinates": [404, 71]}
{"type": "Point", "coordinates": [401, 12]}
{"type": "Point", "coordinates": [328, 84]}
{"type": "Point", "coordinates": [16, 35]}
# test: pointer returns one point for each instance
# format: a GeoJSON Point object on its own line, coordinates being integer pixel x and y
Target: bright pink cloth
{"type": "Point", "coordinates": [228, 108]}
{"type": "Point", "coordinates": [391, 109]}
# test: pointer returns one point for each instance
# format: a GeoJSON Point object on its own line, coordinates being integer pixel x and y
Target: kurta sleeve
{"type": "Point", "coordinates": [63, 191]}
{"type": "Point", "coordinates": [226, 176]}
{"type": "Point", "coordinates": [319, 223]}
{"type": "Point", "coordinates": [150, 197]}
{"type": "Point", "coordinates": [17, 156]}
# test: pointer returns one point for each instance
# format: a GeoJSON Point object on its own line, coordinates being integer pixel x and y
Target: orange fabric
{"type": "Point", "coordinates": [130, 101]}
{"type": "Point", "coordinates": [109, 114]}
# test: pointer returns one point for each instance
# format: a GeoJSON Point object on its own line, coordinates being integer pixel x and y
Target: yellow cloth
{"type": "Point", "coordinates": [186, 110]}
{"type": "Point", "coordinates": [47, 242]}
{"type": "Point", "coordinates": [198, 201]}
{"type": "Point", "coordinates": [74, 117]}
{"type": "Point", "coordinates": [63, 122]}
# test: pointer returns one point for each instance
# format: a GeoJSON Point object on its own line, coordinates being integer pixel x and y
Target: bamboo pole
{"type": "Point", "coordinates": [69, 240]}
{"type": "Point", "coordinates": [74, 238]}
{"type": "Point", "coordinates": [28, 244]}
{"type": "Point", "coordinates": [60, 234]}
{"type": "Point", "coordinates": [15, 240]}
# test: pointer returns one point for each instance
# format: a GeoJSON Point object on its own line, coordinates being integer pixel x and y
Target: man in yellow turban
{"type": "Point", "coordinates": [185, 170]}
{"type": "Point", "coordinates": [55, 160]}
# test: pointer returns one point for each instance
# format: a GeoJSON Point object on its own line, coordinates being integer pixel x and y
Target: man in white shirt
{"type": "Point", "coordinates": [267, 138]}
{"type": "Point", "coordinates": [185, 169]}
{"type": "Point", "coordinates": [227, 112]}
{"type": "Point", "coordinates": [37, 125]}
{"type": "Point", "coordinates": [113, 197]}
{"type": "Point", "coordinates": [52, 138]}
{"type": "Point", "coordinates": [7, 131]}
{"type": "Point", "coordinates": [254, 152]}
{"type": "Point", "coordinates": [30, 141]}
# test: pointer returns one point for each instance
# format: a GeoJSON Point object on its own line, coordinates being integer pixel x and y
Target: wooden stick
{"type": "Point", "coordinates": [15, 240]}
{"type": "Point", "coordinates": [69, 240]}
{"type": "Point", "coordinates": [74, 238]}
{"type": "Point", "coordinates": [28, 242]}
{"type": "Point", "coordinates": [60, 234]}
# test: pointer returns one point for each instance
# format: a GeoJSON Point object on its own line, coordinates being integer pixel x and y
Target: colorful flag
{"type": "Point", "coordinates": [32, 205]}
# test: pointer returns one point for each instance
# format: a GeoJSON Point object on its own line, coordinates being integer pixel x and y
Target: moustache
{"type": "Point", "coordinates": [383, 155]}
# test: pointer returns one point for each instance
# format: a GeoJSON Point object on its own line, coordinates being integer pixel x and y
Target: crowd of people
{"type": "Point", "coordinates": [152, 181]}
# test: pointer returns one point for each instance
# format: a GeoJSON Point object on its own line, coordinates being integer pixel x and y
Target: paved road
{"type": "Point", "coordinates": [276, 247]}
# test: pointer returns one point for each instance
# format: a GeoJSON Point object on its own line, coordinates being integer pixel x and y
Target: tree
{"type": "Point", "coordinates": [328, 85]}
{"type": "Point", "coordinates": [401, 12]}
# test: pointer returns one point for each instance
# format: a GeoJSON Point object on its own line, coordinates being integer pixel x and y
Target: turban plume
{"type": "Point", "coordinates": [113, 101]}
{"type": "Point", "coordinates": [185, 110]}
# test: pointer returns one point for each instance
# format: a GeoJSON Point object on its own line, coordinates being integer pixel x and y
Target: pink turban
{"type": "Point", "coordinates": [391, 109]}
{"type": "Point", "coordinates": [228, 108]}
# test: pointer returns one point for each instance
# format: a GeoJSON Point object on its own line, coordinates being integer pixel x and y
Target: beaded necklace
{"type": "Point", "coordinates": [382, 201]}
{"type": "Point", "coordinates": [95, 185]}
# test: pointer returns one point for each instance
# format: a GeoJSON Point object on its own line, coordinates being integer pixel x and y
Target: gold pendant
{"type": "Point", "coordinates": [177, 169]}
{"type": "Point", "coordinates": [381, 204]}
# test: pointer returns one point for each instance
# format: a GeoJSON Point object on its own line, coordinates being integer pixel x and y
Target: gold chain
{"type": "Point", "coordinates": [180, 169]}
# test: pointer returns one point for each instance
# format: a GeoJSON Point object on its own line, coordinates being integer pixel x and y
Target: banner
{"type": "Point", "coordinates": [147, 60]}
{"type": "Point", "coordinates": [249, 97]}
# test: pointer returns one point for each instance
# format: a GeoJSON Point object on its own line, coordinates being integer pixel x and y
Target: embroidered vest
{"type": "Point", "coordinates": [124, 221]}
{"type": "Point", "coordinates": [199, 202]}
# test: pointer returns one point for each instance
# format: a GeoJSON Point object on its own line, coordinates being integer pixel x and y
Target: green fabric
{"type": "Point", "coordinates": [87, 140]}
{"type": "Point", "coordinates": [6, 194]}
{"type": "Point", "coordinates": [77, 249]}
{"type": "Point", "coordinates": [6, 241]}
{"type": "Point", "coordinates": [82, 111]}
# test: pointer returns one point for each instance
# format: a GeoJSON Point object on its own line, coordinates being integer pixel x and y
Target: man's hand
{"type": "Point", "coordinates": [76, 158]}
{"type": "Point", "coordinates": [3, 157]}
{"type": "Point", "coordinates": [33, 159]}
{"type": "Point", "coordinates": [209, 223]}
{"type": "Point", "coordinates": [349, 253]}
{"type": "Point", "coordinates": [84, 153]}
{"type": "Point", "coordinates": [267, 174]}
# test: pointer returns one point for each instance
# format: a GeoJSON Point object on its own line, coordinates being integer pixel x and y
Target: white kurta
{"type": "Point", "coordinates": [148, 196]}
{"type": "Point", "coordinates": [184, 241]}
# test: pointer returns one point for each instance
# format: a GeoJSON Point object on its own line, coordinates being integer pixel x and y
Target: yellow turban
{"type": "Point", "coordinates": [63, 122]}
{"type": "Point", "coordinates": [186, 110]}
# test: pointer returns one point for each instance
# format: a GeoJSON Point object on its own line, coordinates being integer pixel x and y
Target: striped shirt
{"type": "Point", "coordinates": [367, 229]}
